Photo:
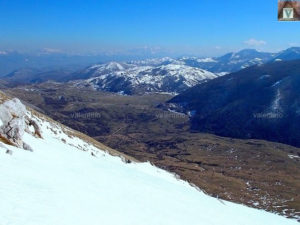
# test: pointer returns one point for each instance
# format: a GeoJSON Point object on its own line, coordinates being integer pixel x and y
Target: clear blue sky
{"type": "Point", "coordinates": [190, 26]}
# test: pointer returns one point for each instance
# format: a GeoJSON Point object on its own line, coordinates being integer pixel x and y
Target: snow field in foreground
{"type": "Point", "coordinates": [60, 184]}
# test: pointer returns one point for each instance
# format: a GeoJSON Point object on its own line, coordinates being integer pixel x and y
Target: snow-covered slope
{"type": "Point", "coordinates": [66, 180]}
{"type": "Point", "coordinates": [137, 78]}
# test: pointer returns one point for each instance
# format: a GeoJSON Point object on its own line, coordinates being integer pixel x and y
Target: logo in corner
{"type": "Point", "coordinates": [288, 10]}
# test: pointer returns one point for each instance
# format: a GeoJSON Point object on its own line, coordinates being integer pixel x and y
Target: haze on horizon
{"type": "Point", "coordinates": [170, 27]}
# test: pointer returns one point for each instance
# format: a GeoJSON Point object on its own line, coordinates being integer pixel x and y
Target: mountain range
{"type": "Point", "coordinates": [149, 75]}
{"type": "Point", "coordinates": [232, 61]}
{"type": "Point", "coordinates": [236, 61]}
{"type": "Point", "coordinates": [11, 61]}
{"type": "Point", "coordinates": [53, 59]}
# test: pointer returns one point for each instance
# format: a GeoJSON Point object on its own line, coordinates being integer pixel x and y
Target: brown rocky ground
{"type": "Point", "coordinates": [257, 173]}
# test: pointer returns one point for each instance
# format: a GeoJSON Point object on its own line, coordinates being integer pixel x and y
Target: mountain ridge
{"type": "Point", "coordinates": [129, 78]}
{"type": "Point", "coordinates": [257, 102]}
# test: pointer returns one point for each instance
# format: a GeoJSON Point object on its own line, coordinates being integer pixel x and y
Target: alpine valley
{"type": "Point", "coordinates": [225, 125]}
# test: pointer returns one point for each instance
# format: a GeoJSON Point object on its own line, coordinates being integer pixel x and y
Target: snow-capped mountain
{"type": "Point", "coordinates": [26, 70]}
{"type": "Point", "coordinates": [230, 62]}
{"type": "Point", "coordinates": [51, 174]}
{"type": "Point", "coordinates": [132, 78]}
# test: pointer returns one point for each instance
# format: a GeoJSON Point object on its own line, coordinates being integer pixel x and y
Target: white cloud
{"type": "Point", "coordinates": [254, 42]}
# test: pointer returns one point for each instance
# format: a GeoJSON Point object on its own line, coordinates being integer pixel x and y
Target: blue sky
{"type": "Point", "coordinates": [199, 27]}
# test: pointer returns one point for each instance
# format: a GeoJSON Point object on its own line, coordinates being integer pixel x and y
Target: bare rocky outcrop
{"type": "Point", "coordinates": [14, 123]}
{"type": "Point", "coordinates": [37, 130]}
